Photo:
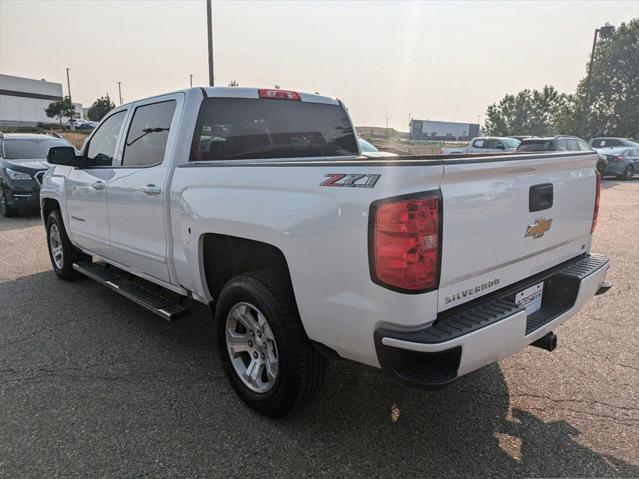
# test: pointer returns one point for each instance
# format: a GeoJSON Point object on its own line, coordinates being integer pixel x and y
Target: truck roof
{"type": "Point", "coordinates": [244, 92]}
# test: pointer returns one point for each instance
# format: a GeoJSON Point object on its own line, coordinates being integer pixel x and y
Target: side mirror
{"type": "Point", "coordinates": [62, 155]}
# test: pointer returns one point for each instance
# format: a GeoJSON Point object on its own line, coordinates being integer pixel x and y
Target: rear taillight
{"type": "Point", "coordinates": [273, 94]}
{"type": "Point", "coordinates": [404, 242]}
{"type": "Point", "coordinates": [615, 158]}
{"type": "Point", "coordinates": [596, 212]}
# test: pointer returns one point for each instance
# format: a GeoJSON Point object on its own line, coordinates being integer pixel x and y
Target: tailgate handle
{"type": "Point", "coordinates": [540, 197]}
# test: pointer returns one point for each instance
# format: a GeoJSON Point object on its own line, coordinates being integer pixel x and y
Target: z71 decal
{"type": "Point", "coordinates": [350, 180]}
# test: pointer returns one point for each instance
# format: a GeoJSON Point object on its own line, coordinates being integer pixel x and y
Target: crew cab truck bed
{"type": "Point", "coordinates": [258, 203]}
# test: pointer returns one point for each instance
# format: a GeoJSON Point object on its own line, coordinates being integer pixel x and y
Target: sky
{"type": "Point", "coordinates": [388, 61]}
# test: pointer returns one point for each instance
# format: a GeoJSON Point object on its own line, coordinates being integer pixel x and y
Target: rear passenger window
{"type": "Point", "coordinates": [572, 144]}
{"type": "Point", "coordinates": [146, 141]}
{"type": "Point", "coordinates": [494, 145]}
{"type": "Point", "coordinates": [562, 145]}
{"type": "Point", "coordinates": [583, 146]}
{"type": "Point", "coordinates": [478, 144]}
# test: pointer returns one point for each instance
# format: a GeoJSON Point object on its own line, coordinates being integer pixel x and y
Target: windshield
{"type": "Point", "coordinates": [32, 149]}
{"type": "Point", "coordinates": [243, 128]}
{"type": "Point", "coordinates": [511, 142]}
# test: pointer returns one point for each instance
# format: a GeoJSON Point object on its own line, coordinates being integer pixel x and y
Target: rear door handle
{"type": "Point", "coordinates": [152, 189]}
{"type": "Point", "coordinates": [98, 185]}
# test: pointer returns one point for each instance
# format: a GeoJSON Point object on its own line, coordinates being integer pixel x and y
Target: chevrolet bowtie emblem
{"type": "Point", "coordinates": [538, 228]}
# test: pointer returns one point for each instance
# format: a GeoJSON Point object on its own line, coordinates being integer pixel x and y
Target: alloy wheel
{"type": "Point", "coordinates": [56, 246]}
{"type": "Point", "coordinates": [252, 348]}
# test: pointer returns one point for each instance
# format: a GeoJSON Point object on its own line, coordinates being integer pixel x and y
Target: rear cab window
{"type": "Point", "coordinates": [245, 128]}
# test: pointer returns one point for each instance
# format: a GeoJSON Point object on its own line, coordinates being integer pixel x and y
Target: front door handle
{"type": "Point", "coordinates": [98, 185]}
{"type": "Point", "coordinates": [152, 189]}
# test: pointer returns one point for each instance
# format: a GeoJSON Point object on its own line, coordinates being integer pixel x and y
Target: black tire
{"type": "Point", "coordinates": [300, 367]}
{"type": "Point", "coordinates": [63, 265]}
{"type": "Point", "coordinates": [6, 210]}
{"type": "Point", "coordinates": [628, 173]}
{"type": "Point", "coordinates": [601, 167]}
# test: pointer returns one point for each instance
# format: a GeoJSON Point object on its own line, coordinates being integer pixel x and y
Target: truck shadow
{"type": "Point", "coordinates": [467, 429]}
{"type": "Point", "coordinates": [23, 221]}
{"type": "Point", "coordinates": [82, 352]}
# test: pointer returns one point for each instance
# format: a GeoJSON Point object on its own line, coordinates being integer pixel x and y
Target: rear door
{"type": "Point", "coordinates": [138, 191]}
{"type": "Point", "coordinates": [85, 188]}
{"type": "Point", "coordinates": [507, 220]}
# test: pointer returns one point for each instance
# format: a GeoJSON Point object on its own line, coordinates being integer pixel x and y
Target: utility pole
{"type": "Point", "coordinates": [209, 28]}
{"type": "Point", "coordinates": [607, 30]}
{"type": "Point", "coordinates": [120, 91]}
{"type": "Point", "coordinates": [191, 79]}
{"type": "Point", "coordinates": [69, 85]}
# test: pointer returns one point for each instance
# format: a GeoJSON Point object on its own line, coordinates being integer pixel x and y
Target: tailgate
{"type": "Point", "coordinates": [491, 238]}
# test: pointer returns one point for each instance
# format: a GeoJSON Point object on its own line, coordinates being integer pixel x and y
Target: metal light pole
{"type": "Point", "coordinates": [69, 85]}
{"type": "Point", "coordinates": [120, 91]}
{"type": "Point", "coordinates": [191, 79]}
{"type": "Point", "coordinates": [209, 29]}
{"type": "Point", "coordinates": [606, 31]}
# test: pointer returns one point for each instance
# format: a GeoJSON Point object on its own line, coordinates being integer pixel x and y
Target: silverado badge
{"type": "Point", "coordinates": [538, 228]}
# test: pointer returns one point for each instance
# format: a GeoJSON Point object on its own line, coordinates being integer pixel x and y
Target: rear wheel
{"type": "Point", "coordinates": [267, 357]}
{"type": "Point", "coordinates": [628, 173]}
{"type": "Point", "coordinates": [7, 210]}
{"type": "Point", "coordinates": [61, 252]}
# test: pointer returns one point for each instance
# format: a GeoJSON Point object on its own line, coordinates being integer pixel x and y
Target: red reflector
{"type": "Point", "coordinates": [279, 94]}
{"type": "Point", "coordinates": [597, 194]}
{"type": "Point", "coordinates": [406, 239]}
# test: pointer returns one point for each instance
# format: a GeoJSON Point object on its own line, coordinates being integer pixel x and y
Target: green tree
{"type": "Point", "coordinates": [60, 109]}
{"type": "Point", "coordinates": [613, 108]}
{"type": "Point", "coordinates": [526, 113]}
{"type": "Point", "coordinates": [100, 108]}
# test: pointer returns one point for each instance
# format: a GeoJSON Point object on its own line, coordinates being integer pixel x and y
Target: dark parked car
{"type": "Point", "coordinates": [622, 162]}
{"type": "Point", "coordinates": [22, 166]}
{"type": "Point", "coordinates": [560, 143]}
{"type": "Point", "coordinates": [606, 142]}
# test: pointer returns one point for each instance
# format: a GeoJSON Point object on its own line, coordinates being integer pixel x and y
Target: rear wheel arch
{"type": "Point", "coordinates": [225, 257]}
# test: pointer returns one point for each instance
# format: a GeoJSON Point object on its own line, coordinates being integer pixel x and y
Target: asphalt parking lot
{"type": "Point", "coordinates": [92, 385]}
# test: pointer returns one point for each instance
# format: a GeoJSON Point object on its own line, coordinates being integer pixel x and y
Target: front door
{"type": "Point", "coordinates": [85, 188]}
{"type": "Point", "coordinates": [138, 192]}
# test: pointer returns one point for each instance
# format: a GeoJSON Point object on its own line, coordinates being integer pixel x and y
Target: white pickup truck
{"type": "Point", "coordinates": [484, 144]}
{"type": "Point", "coordinates": [258, 203]}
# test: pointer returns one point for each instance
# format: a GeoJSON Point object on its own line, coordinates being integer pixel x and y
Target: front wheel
{"type": "Point", "coordinates": [266, 355]}
{"type": "Point", "coordinates": [7, 210]}
{"type": "Point", "coordinates": [601, 167]}
{"type": "Point", "coordinates": [61, 252]}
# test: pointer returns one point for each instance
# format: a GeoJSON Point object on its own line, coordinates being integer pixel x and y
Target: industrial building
{"type": "Point", "coordinates": [442, 130]}
{"type": "Point", "coordinates": [23, 101]}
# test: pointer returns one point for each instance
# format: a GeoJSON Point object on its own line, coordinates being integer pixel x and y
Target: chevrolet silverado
{"type": "Point", "coordinates": [259, 203]}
